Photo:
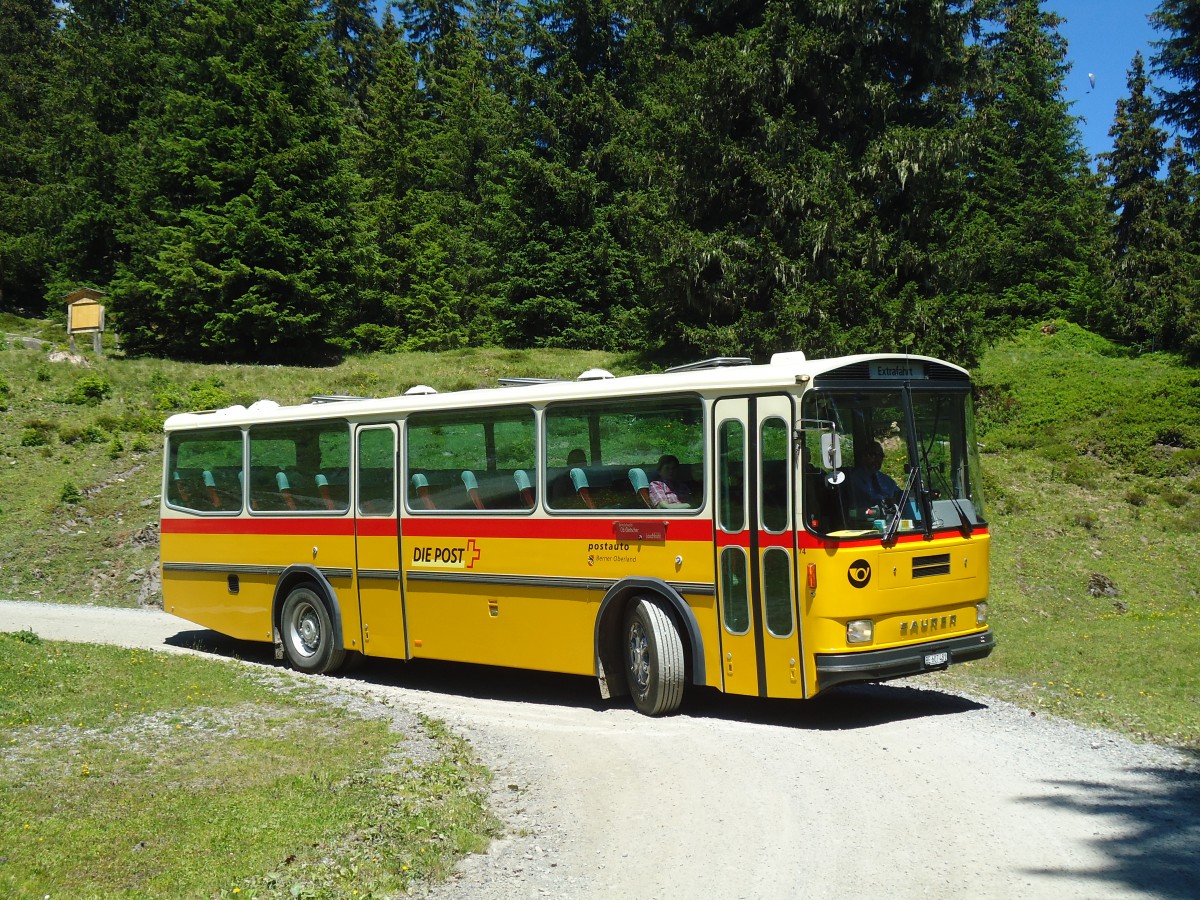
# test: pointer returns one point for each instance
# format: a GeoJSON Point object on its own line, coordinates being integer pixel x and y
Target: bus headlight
{"type": "Point", "coordinates": [860, 631]}
{"type": "Point", "coordinates": [981, 613]}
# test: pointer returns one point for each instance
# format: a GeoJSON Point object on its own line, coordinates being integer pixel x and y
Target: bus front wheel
{"type": "Point", "coordinates": [307, 632]}
{"type": "Point", "coordinates": [653, 658]}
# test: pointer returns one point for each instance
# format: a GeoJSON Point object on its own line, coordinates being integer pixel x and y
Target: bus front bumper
{"type": "Point", "coordinates": [898, 662]}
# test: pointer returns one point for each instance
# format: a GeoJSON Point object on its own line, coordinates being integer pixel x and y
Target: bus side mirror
{"type": "Point", "coordinates": [831, 450]}
{"type": "Point", "coordinates": [831, 457]}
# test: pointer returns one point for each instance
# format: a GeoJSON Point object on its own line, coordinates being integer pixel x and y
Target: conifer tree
{"type": "Point", "coordinates": [26, 36]}
{"type": "Point", "coordinates": [436, 257]}
{"type": "Point", "coordinates": [1142, 241]}
{"type": "Point", "coordinates": [109, 65]}
{"type": "Point", "coordinates": [1035, 212]}
{"type": "Point", "coordinates": [244, 242]}
{"type": "Point", "coordinates": [1178, 56]}
{"type": "Point", "coordinates": [801, 157]}
{"type": "Point", "coordinates": [568, 268]}
{"type": "Point", "coordinates": [353, 31]}
{"type": "Point", "coordinates": [1182, 221]}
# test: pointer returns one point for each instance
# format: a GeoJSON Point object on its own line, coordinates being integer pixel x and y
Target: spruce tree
{"type": "Point", "coordinates": [436, 257]}
{"type": "Point", "coordinates": [1182, 222]}
{"type": "Point", "coordinates": [802, 158]}
{"type": "Point", "coordinates": [1178, 57]}
{"type": "Point", "coordinates": [1035, 212]}
{"type": "Point", "coordinates": [568, 268]}
{"type": "Point", "coordinates": [389, 160]}
{"type": "Point", "coordinates": [27, 30]}
{"type": "Point", "coordinates": [353, 31]}
{"type": "Point", "coordinates": [1141, 240]}
{"type": "Point", "coordinates": [109, 66]}
{"type": "Point", "coordinates": [245, 245]}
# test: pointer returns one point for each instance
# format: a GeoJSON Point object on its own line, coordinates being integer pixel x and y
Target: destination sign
{"type": "Point", "coordinates": [897, 370]}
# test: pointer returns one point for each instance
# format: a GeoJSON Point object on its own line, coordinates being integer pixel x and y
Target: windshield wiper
{"type": "Point", "coordinates": [964, 520]}
{"type": "Point", "coordinates": [890, 534]}
{"type": "Point", "coordinates": [967, 526]}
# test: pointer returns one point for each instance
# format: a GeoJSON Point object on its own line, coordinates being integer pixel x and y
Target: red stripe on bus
{"type": "Point", "coordinates": [741, 539]}
{"type": "Point", "coordinates": [377, 528]}
{"type": "Point", "coordinates": [811, 541]}
{"type": "Point", "coordinates": [543, 529]}
{"type": "Point", "coordinates": [527, 529]}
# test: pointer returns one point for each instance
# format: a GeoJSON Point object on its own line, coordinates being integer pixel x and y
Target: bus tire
{"type": "Point", "coordinates": [306, 629]}
{"type": "Point", "coordinates": [653, 658]}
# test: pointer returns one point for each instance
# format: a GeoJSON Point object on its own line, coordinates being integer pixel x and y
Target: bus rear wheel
{"type": "Point", "coordinates": [307, 632]}
{"type": "Point", "coordinates": [653, 658]}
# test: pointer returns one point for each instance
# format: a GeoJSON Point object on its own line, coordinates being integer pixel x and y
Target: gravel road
{"type": "Point", "coordinates": [895, 790]}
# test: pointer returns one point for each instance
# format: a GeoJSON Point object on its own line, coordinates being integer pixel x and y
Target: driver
{"type": "Point", "coordinates": [869, 486]}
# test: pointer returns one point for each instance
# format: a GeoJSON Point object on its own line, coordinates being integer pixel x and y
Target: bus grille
{"type": "Point", "coordinates": [924, 566]}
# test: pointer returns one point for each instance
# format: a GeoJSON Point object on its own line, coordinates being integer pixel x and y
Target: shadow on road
{"type": "Point", "coordinates": [204, 641]}
{"type": "Point", "coordinates": [1155, 852]}
{"type": "Point", "coordinates": [840, 709]}
{"type": "Point", "coordinates": [858, 706]}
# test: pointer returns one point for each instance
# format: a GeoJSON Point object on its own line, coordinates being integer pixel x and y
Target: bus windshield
{"type": "Point", "coordinates": [909, 462]}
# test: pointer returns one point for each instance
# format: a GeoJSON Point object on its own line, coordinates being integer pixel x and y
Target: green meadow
{"type": "Point", "coordinates": [122, 772]}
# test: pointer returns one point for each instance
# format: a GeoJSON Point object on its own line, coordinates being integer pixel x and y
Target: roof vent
{"type": "Point", "coordinates": [263, 405]}
{"type": "Point", "coordinates": [716, 362]}
{"type": "Point", "coordinates": [595, 375]}
{"type": "Point", "coordinates": [794, 358]}
{"type": "Point", "coordinates": [335, 398]}
{"type": "Point", "coordinates": [522, 381]}
{"type": "Point", "coordinates": [420, 389]}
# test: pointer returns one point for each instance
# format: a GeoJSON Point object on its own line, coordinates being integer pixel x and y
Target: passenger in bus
{"type": "Point", "coordinates": [870, 487]}
{"type": "Point", "coordinates": [667, 490]}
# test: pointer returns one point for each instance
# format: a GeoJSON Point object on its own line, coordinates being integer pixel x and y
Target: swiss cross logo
{"type": "Point", "coordinates": [473, 553]}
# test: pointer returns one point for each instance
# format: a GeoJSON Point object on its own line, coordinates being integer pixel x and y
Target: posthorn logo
{"type": "Point", "coordinates": [859, 573]}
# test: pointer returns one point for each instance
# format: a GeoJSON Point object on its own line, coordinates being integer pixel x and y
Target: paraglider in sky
{"type": "Point", "coordinates": [1091, 81]}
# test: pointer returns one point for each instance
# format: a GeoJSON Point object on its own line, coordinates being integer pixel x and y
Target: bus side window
{"type": "Point", "coordinates": [731, 470]}
{"type": "Point", "coordinates": [376, 471]}
{"type": "Point", "coordinates": [468, 460]}
{"type": "Point", "coordinates": [199, 467]}
{"type": "Point", "coordinates": [296, 467]}
{"type": "Point", "coordinates": [616, 439]}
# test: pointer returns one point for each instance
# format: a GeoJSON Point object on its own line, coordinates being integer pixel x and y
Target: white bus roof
{"type": "Point", "coordinates": [785, 370]}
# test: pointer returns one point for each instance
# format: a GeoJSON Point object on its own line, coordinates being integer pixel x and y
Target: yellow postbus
{"type": "Point", "coordinates": [769, 530]}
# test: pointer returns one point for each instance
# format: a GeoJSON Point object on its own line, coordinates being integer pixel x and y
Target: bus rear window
{"type": "Point", "coordinates": [204, 470]}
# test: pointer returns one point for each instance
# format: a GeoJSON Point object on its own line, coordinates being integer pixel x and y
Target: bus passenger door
{"type": "Point", "coordinates": [378, 542]}
{"type": "Point", "coordinates": [756, 547]}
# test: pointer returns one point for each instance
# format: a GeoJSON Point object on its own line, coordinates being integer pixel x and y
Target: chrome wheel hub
{"type": "Point", "coordinates": [307, 630]}
{"type": "Point", "coordinates": [639, 655]}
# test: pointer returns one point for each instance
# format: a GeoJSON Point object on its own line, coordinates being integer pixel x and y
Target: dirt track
{"type": "Point", "coordinates": [896, 790]}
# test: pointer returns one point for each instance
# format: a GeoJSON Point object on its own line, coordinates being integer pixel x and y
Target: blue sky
{"type": "Point", "coordinates": [1102, 36]}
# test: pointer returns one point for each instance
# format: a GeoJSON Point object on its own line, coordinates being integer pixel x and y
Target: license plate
{"type": "Point", "coordinates": [937, 659]}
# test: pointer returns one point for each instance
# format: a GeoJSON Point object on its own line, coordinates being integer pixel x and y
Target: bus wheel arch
{"type": "Point", "coordinates": [308, 621]}
{"type": "Point", "coordinates": [618, 611]}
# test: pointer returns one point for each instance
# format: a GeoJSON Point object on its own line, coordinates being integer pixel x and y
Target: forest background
{"type": "Point", "coordinates": [287, 181]}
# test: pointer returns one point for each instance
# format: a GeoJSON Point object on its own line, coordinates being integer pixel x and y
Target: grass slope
{"type": "Point", "coordinates": [1092, 466]}
{"type": "Point", "coordinates": [125, 773]}
{"type": "Point", "coordinates": [1091, 457]}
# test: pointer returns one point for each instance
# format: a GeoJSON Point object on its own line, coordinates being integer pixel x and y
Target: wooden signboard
{"type": "Point", "coordinates": [85, 314]}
